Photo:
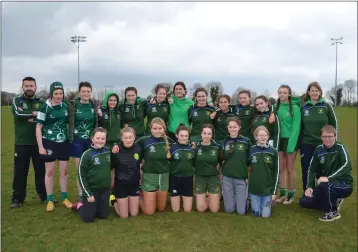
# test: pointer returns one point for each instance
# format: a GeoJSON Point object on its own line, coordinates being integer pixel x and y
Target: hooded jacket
{"type": "Point", "coordinates": [179, 112]}
{"type": "Point", "coordinates": [111, 119]}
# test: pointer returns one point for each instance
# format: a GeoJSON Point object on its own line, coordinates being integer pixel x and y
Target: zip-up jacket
{"type": "Point", "coordinates": [179, 113]}
{"type": "Point", "coordinates": [154, 154]}
{"type": "Point", "coordinates": [134, 114]}
{"type": "Point", "coordinates": [94, 170]}
{"type": "Point", "coordinates": [22, 108]}
{"type": "Point", "coordinates": [264, 170]}
{"type": "Point", "coordinates": [207, 157]}
{"type": "Point", "coordinates": [314, 117]}
{"type": "Point", "coordinates": [235, 157]}
{"type": "Point", "coordinates": [160, 110]}
{"type": "Point", "coordinates": [181, 162]}
{"type": "Point", "coordinates": [262, 119]}
{"type": "Point", "coordinates": [334, 163]}
{"type": "Point", "coordinates": [221, 123]}
{"type": "Point", "coordinates": [197, 116]}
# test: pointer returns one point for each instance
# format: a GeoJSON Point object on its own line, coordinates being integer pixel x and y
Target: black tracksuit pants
{"type": "Point", "coordinates": [22, 156]}
{"type": "Point", "coordinates": [98, 209]}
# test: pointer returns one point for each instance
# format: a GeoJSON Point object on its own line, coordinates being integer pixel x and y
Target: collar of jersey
{"type": "Point", "coordinates": [321, 100]}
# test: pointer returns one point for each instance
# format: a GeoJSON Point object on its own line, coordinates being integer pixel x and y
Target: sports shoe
{"type": "Point", "coordinates": [16, 204]}
{"type": "Point", "coordinates": [67, 203]}
{"type": "Point", "coordinates": [289, 201]}
{"type": "Point", "coordinates": [50, 206]}
{"type": "Point", "coordinates": [339, 203]}
{"type": "Point", "coordinates": [112, 198]}
{"type": "Point", "coordinates": [331, 216]}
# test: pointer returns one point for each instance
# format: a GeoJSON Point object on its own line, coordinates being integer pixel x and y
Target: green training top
{"type": "Point", "coordinates": [160, 110]}
{"type": "Point", "coordinates": [262, 119]}
{"type": "Point", "coordinates": [22, 108]}
{"type": "Point", "coordinates": [290, 123]}
{"type": "Point", "coordinates": [154, 154]}
{"type": "Point", "coordinates": [111, 119]}
{"type": "Point", "coordinates": [314, 117]}
{"type": "Point", "coordinates": [94, 170]}
{"type": "Point", "coordinates": [334, 163]}
{"type": "Point", "coordinates": [235, 155]}
{"type": "Point", "coordinates": [133, 115]}
{"type": "Point", "coordinates": [179, 112]}
{"type": "Point", "coordinates": [82, 119]}
{"type": "Point", "coordinates": [264, 170]}
{"type": "Point", "coordinates": [207, 157]}
{"type": "Point", "coordinates": [220, 124]}
{"type": "Point", "coordinates": [197, 116]}
{"type": "Point", "coordinates": [54, 120]}
{"type": "Point", "coordinates": [181, 162]}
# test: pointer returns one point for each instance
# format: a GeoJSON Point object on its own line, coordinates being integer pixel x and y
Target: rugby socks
{"type": "Point", "coordinates": [64, 195]}
{"type": "Point", "coordinates": [283, 192]}
{"type": "Point", "coordinates": [291, 193]}
{"type": "Point", "coordinates": [50, 197]}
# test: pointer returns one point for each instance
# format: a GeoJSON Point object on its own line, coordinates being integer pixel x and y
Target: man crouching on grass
{"type": "Point", "coordinates": [332, 163]}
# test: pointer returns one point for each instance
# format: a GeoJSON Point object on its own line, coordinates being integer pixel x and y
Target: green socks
{"type": "Point", "coordinates": [50, 198]}
{"type": "Point", "coordinates": [291, 193]}
{"type": "Point", "coordinates": [282, 192]}
{"type": "Point", "coordinates": [64, 195]}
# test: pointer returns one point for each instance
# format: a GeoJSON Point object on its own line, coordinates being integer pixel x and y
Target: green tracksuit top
{"type": "Point", "coordinates": [22, 108]}
{"type": "Point", "coordinates": [314, 117]}
{"type": "Point", "coordinates": [94, 170]}
{"type": "Point", "coordinates": [197, 117]}
{"type": "Point", "coordinates": [160, 110]}
{"type": "Point", "coordinates": [235, 157]}
{"type": "Point", "coordinates": [133, 115]}
{"type": "Point", "coordinates": [179, 112]}
{"type": "Point", "coordinates": [154, 154]}
{"type": "Point", "coordinates": [264, 170]}
{"type": "Point", "coordinates": [290, 123]}
{"type": "Point", "coordinates": [81, 119]}
{"type": "Point", "coordinates": [262, 119]}
{"type": "Point", "coordinates": [333, 162]}
{"type": "Point", "coordinates": [54, 120]}
{"type": "Point", "coordinates": [111, 119]}
{"type": "Point", "coordinates": [221, 123]}
{"type": "Point", "coordinates": [182, 159]}
{"type": "Point", "coordinates": [206, 159]}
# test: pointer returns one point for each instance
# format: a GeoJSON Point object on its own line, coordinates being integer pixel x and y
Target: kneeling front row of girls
{"type": "Point", "coordinates": [183, 168]}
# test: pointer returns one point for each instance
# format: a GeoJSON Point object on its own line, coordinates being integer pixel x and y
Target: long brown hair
{"type": "Point", "coordinates": [312, 84]}
{"type": "Point", "coordinates": [161, 122]}
{"type": "Point", "coordinates": [289, 98]}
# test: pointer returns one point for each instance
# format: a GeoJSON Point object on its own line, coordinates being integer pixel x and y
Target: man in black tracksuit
{"type": "Point", "coordinates": [24, 109]}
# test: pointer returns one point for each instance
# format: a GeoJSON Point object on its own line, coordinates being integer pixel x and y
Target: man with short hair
{"type": "Point", "coordinates": [332, 165]}
{"type": "Point", "coordinates": [25, 108]}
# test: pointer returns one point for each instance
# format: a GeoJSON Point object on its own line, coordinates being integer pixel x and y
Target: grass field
{"type": "Point", "coordinates": [291, 228]}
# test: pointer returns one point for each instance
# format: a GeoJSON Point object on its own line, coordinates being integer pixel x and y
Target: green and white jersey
{"type": "Point", "coordinates": [82, 119]}
{"type": "Point", "coordinates": [54, 120]}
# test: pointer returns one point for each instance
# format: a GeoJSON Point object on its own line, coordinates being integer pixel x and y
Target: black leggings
{"type": "Point", "coordinates": [98, 209]}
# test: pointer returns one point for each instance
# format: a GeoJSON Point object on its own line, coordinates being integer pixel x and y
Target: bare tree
{"type": "Point", "coordinates": [235, 95]}
{"type": "Point", "coordinates": [266, 93]}
{"type": "Point", "coordinates": [215, 89]}
{"type": "Point", "coordinates": [349, 91]}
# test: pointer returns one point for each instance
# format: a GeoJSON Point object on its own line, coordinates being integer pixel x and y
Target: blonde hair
{"type": "Point", "coordinates": [261, 128]}
{"type": "Point", "coordinates": [161, 122]}
{"type": "Point", "coordinates": [127, 130]}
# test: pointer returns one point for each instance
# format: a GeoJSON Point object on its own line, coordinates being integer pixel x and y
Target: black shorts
{"type": "Point", "coordinates": [56, 151]}
{"type": "Point", "coordinates": [125, 188]}
{"type": "Point", "coordinates": [181, 186]}
{"type": "Point", "coordinates": [282, 145]}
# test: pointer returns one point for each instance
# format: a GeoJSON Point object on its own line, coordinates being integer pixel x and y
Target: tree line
{"type": "Point", "coordinates": [346, 93]}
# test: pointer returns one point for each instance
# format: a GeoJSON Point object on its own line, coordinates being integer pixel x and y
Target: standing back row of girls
{"type": "Point", "coordinates": [281, 121]}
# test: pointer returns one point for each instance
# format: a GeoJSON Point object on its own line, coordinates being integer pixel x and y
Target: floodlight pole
{"type": "Point", "coordinates": [78, 39]}
{"type": "Point", "coordinates": [336, 42]}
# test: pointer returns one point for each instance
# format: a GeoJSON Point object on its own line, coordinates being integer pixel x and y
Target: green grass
{"type": "Point", "coordinates": [291, 228]}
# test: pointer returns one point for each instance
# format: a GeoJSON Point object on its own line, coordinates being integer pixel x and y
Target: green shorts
{"type": "Point", "coordinates": [210, 184]}
{"type": "Point", "coordinates": [152, 182]}
{"type": "Point", "coordinates": [282, 145]}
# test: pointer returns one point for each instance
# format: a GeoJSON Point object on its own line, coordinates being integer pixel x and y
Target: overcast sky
{"type": "Point", "coordinates": [253, 45]}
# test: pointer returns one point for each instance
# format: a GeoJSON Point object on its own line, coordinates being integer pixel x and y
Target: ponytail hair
{"type": "Point", "coordinates": [289, 98]}
{"type": "Point", "coordinates": [161, 122]}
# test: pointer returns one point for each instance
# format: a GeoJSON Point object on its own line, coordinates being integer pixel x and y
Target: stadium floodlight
{"type": "Point", "coordinates": [78, 40]}
{"type": "Point", "coordinates": [336, 42]}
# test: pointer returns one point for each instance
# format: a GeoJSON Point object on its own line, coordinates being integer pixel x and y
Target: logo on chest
{"type": "Point", "coordinates": [200, 152]}
{"type": "Point", "coordinates": [176, 155]}
{"type": "Point", "coordinates": [96, 161]}
{"type": "Point", "coordinates": [195, 113]}
{"type": "Point", "coordinates": [241, 147]}
{"type": "Point", "coordinates": [126, 110]}
{"type": "Point", "coordinates": [152, 149]}
{"type": "Point", "coordinates": [320, 111]}
{"type": "Point", "coordinates": [321, 160]}
{"type": "Point", "coordinates": [105, 116]}
{"type": "Point", "coordinates": [154, 109]}
{"type": "Point", "coordinates": [247, 112]}
{"type": "Point", "coordinates": [24, 106]}
{"type": "Point", "coordinates": [306, 113]}
{"type": "Point", "coordinates": [254, 159]}
{"type": "Point", "coordinates": [268, 159]}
